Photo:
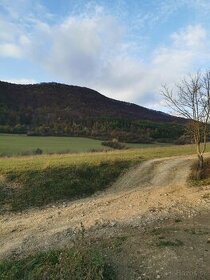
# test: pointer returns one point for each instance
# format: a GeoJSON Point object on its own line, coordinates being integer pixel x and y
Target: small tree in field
{"type": "Point", "coordinates": [191, 99]}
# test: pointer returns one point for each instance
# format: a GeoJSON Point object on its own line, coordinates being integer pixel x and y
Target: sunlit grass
{"type": "Point", "coordinates": [132, 155]}
{"type": "Point", "coordinates": [40, 180]}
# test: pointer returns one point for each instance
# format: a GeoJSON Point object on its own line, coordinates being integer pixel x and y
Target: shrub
{"type": "Point", "coordinates": [38, 151]}
{"type": "Point", "coordinates": [200, 177]}
{"type": "Point", "coordinates": [114, 144]}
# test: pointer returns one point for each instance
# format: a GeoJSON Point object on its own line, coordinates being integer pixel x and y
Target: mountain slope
{"type": "Point", "coordinates": [58, 109]}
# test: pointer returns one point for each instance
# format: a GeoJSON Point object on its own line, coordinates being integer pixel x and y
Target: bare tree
{"type": "Point", "coordinates": [191, 99]}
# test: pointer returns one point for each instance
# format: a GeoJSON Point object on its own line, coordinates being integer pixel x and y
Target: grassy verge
{"type": "Point", "coordinates": [25, 188]}
{"type": "Point", "coordinates": [83, 262]}
{"type": "Point", "coordinates": [88, 259]}
{"type": "Point", "coordinates": [203, 178]}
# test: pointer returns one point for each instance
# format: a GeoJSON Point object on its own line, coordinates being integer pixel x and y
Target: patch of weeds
{"type": "Point", "coordinates": [161, 237]}
{"type": "Point", "coordinates": [196, 231]}
{"type": "Point", "coordinates": [177, 220]}
{"type": "Point", "coordinates": [37, 151]}
{"type": "Point", "coordinates": [170, 243]}
{"type": "Point", "coordinates": [5, 196]}
{"type": "Point", "coordinates": [2, 154]}
{"type": "Point", "coordinates": [159, 231]}
{"type": "Point", "coordinates": [114, 144]}
{"type": "Point", "coordinates": [198, 177]}
{"type": "Point", "coordinates": [113, 243]}
{"type": "Point", "coordinates": [82, 262]}
{"type": "Point", "coordinates": [118, 241]}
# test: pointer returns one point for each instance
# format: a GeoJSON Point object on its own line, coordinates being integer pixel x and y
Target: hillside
{"type": "Point", "coordinates": [58, 109]}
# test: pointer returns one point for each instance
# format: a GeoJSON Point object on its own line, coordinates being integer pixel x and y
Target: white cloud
{"type": "Point", "coordinates": [8, 31]}
{"type": "Point", "coordinates": [93, 51]}
{"type": "Point", "coordinates": [202, 6]}
{"type": "Point", "coordinates": [134, 80]}
{"type": "Point", "coordinates": [193, 37]}
{"type": "Point", "coordinates": [189, 49]}
{"type": "Point", "coordinates": [80, 48]}
{"type": "Point", "coordinates": [10, 50]}
{"type": "Point", "coordinates": [25, 11]}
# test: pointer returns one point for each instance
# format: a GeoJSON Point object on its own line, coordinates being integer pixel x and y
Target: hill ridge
{"type": "Point", "coordinates": [59, 109]}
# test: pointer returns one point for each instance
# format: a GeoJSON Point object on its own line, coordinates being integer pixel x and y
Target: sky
{"type": "Point", "coordinates": [124, 49]}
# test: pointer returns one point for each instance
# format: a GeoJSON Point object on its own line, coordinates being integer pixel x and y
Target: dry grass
{"type": "Point", "coordinates": [200, 177]}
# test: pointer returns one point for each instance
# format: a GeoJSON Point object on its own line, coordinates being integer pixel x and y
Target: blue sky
{"type": "Point", "coordinates": [124, 49]}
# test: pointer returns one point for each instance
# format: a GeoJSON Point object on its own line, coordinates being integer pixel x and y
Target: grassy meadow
{"type": "Point", "coordinates": [14, 144]}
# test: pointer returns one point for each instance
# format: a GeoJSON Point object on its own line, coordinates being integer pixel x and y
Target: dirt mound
{"type": "Point", "coordinates": [158, 172]}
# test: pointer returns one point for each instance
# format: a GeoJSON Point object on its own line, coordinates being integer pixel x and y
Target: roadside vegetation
{"type": "Point", "coordinates": [200, 177]}
{"type": "Point", "coordinates": [82, 261]}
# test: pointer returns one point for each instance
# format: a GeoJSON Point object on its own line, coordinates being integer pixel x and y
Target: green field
{"type": "Point", "coordinates": [14, 144]}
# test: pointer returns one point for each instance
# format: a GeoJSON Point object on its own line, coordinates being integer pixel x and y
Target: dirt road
{"type": "Point", "coordinates": [152, 191]}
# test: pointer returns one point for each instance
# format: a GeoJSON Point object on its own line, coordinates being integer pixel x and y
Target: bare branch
{"type": "Point", "coordinates": [190, 98]}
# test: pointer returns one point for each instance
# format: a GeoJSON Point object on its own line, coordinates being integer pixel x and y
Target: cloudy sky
{"type": "Point", "coordinates": [124, 49]}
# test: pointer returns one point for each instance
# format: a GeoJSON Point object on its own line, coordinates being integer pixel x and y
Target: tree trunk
{"type": "Point", "coordinates": [200, 161]}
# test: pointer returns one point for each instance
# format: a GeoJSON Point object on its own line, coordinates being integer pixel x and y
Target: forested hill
{"type": "Point", "coordinates": [59, 109]}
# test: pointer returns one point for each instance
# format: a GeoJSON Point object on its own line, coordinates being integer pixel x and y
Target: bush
{"type": "Point", "coordinates": [38, 151]}
{"type": "Point", "coordinates": [200, 177]}
{"type": "Point", "coordinates": [114, 144]}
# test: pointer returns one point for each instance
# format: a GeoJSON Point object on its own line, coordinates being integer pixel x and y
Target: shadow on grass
{"type": "Point", "coordinates": [35, 188]}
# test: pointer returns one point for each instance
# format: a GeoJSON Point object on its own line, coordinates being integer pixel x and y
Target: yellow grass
{"type": "Point", "coordinates": [133, 155]}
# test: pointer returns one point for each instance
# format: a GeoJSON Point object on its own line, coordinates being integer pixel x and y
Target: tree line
{"type": "Point", "coordinates": [124, 130]}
